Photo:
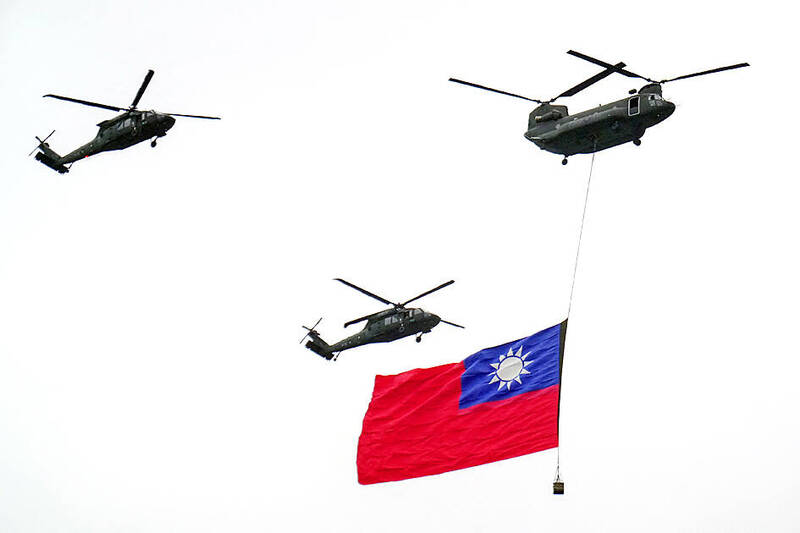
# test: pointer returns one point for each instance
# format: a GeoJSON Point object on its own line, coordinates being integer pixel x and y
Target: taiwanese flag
{"type": "Point", "coordinates": [498, 403]}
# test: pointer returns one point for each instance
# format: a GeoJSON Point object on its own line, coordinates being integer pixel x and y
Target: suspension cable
{"type": "Point", "coordinates": [580, 233]}
{"type": "Point", "coordinates": [569, 308]}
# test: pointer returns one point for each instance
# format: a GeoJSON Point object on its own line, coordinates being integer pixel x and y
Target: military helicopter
{"type": "Point", "coordinates": [384, 326]}
{"type": "Point", "coordinates": [129, 128]}
{"type": "Point", "coordinates": [553, 129]}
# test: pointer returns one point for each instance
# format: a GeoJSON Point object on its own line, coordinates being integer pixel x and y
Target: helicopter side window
{"type": "Point", "coordinates": [387, 321]}
{"type": "Point", "coordinates": [633, 106]}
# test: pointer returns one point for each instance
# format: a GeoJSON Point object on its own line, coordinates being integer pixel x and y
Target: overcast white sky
{"type": "Point", "coordinates": [151, 300]}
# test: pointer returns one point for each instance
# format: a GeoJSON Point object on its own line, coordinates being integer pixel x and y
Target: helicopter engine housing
{"type": "Point", "coordinates": [546, 113]}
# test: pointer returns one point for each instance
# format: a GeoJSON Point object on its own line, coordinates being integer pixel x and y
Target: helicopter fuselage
{"type": "Point", "coordinates": [552, 129]}
{"type": "Point", "coordinates": [131, 127]}
{"type": "Point", "coordinates": [121, 132]}
{"type": "Point", "coordinates": [390, 325]}
{"type": "Point", "coordinates": [384, 326]}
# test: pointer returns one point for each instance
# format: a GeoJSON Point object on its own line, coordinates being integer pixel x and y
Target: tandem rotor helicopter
{"type": "Point", "coordinates": [129, 128]}
{"type": "Point", "coordinates": [553, 129]}
{"type": "Point", "coordinates": [384, 326]}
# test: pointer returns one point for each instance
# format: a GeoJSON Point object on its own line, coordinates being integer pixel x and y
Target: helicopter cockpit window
{"type": "Point", "coordinates": [633, 106]}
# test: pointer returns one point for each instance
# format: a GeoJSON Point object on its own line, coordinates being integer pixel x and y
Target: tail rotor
{"type": "Point", "coordinates": [310, 330]}
{"type": "Point", "coordinates": [42, 142]}
{"type": "Point", "coordinates": [47, 156]}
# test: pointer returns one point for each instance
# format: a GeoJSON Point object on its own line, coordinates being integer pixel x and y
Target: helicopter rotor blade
{"type": "Point", "coordinates": [41, 142]}
{"type": "Point", "coordinates": [452, 324]}
{"type": "Point", "coordinates": [310, 329]}
{"type": "Point", "coordinates": [364, 291]}
{"type": "Point", "coordinates": [591, 81]}
{"type": "Point", "coordinates": [48, 136]}
{"type": "Point", "coordinates": [443, 285]}
{"type": "Point", "coordinates": [609, 66]}
{"type": "Point", "coordinates": [192, 116]}
{"type": "Point", "coordinates": [357, 320]}
{"type": "Point", "coordinates": [712, 71]}
{"type": "Point", "coordinates": [144, 85]}
{"type": "Point", "coordinates": [462, 82]}
{"type": "Point", "coordinates": [84, 102]}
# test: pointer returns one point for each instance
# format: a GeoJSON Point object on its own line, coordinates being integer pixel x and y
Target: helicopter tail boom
{"type": "Point", "coordinates": [49, 157]}
{"type": "Point", "coordinates": [319, 346]}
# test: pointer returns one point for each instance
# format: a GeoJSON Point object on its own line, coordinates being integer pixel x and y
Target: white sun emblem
{"type": "Point", "coordinates": [510, 368]}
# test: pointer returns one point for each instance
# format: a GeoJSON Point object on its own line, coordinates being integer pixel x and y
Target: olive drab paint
{"type": "Point", "coordinates": [384, 326]}
{"type": "Point", "coordinates": [129, 128]}
{"type": "Point", "coordinates": [552, 128]}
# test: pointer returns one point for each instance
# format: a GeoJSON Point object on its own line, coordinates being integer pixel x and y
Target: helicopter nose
{"type": "Point", "coordinates": [169, 121]}
{"type": "Point", "coordinates": [433, 319]}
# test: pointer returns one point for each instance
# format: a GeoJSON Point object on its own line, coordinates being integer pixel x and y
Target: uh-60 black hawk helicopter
{"type": "Point", "coordinates": [129, 128]}
{"type": "Point", "coordinates": [553, 129]}
{"type": "Point", "coordinates": [383, 326]}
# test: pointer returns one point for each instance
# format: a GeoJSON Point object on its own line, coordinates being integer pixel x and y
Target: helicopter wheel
{"type": "Point", "coordinates": [419, 338]}
{"type": "Point", "coordinates": [564, 161]}
{"type": "Point", "coordinates": [153, 143]}
{"type": "Point", "coordinates": [637, 142]}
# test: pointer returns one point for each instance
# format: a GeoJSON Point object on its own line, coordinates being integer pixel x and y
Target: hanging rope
{"type": "Point", "coordinates": [580, 233]}
{"type": "Point", "coordinates": [557, 479]}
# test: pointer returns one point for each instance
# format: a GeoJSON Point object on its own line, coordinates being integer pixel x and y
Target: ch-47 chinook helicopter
{"type": "Point", "coordinates": [384, 326]}
{"type": "Point", "coordinates": [129, 128]}
{"type": "Point", "coordinates": [553, 129]}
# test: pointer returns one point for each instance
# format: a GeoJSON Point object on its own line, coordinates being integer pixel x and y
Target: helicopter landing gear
{"type": "Point", "coordinates": [637, 142]}
{"type": "Point", "coordinates": [153, 143]}
{"type": "Point", "coordinates": [564, 161]}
